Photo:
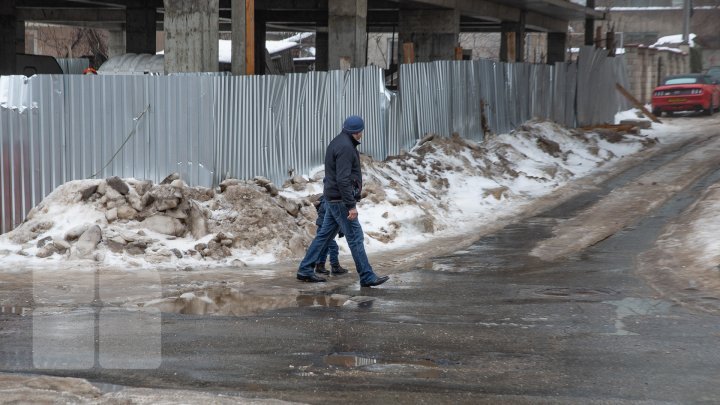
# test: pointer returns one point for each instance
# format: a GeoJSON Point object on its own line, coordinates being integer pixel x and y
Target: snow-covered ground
{"type": "Point", "coordinates": [441, 187]}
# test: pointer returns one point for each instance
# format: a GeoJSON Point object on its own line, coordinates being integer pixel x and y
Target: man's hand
{"type": "Point", "coordinates": [352, 214]}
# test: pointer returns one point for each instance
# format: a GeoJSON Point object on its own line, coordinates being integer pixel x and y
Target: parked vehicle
{"type": "Point", "coordinates": [689, 92]}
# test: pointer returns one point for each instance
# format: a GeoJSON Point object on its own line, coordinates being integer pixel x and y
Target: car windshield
{"type": "Point", "coordinates": [682, 80]}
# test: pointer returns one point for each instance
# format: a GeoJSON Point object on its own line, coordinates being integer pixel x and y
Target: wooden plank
{"type": "Point", "coordinates": [250, 37]}
{"type": "Point", "coordinates": [408, 53]}
{"type": "Point", "coordinates": [637, 104]}
{"type": "Point", "coordinates": [458, 53]}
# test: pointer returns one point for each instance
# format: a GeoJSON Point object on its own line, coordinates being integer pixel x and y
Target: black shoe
{"type": "Point", "coordinates": [320, 268]}
{"type": "Point", "coordinates": [311, 279]}
{"type": "Point", "coordinates": [338, 269]}
{"type": "Point", "coordinates": [377, 281]}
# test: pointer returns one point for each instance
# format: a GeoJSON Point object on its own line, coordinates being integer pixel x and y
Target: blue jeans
{"type": "Point", "coordinates": [336, 220]}
{"type": "Point", "coordinates": [333, 250]}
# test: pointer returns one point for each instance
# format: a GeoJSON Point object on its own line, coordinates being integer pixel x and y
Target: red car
{"type": "Point", "coordinates": [690, 92]}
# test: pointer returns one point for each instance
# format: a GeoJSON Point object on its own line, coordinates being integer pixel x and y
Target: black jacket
{"type": "Point", "coordinates": [343, 178]}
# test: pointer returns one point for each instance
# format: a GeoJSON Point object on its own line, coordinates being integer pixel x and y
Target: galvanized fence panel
{"type": "Point", "coordinates": [597, 99]}
{"type": "Point", "coordinates": [31, 144]}
{"type": "Point", "coordinates": [73, 66]}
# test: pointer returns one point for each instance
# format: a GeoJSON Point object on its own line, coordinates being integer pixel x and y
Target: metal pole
{"type": "Point", "coordinates": [686, 22]}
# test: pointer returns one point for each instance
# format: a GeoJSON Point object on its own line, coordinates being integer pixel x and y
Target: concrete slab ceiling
{"type": "Point", "coordinates": [301, 15]}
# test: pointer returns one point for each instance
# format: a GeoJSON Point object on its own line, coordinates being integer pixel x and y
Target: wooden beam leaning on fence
{"type": "Point", "coordinates": [637, 103]}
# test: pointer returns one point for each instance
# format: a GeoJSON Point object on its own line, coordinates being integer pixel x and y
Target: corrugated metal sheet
{"type": "Point", "coordinates": [597, 98]}
{"type": "Point", "coordinates": [209, 127]}
{"type": "Point", "coordinates": [73, 66]}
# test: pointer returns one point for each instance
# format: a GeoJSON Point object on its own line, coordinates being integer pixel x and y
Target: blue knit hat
{"type": "Point", "coordinates": [353, 124]}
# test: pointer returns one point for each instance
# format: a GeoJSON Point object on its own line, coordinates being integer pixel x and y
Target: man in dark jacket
{"type": "Point", "coordinates": [342, 190]}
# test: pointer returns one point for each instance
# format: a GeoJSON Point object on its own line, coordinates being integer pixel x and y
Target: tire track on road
{"type": "Point", "coordinates": [628, 204]}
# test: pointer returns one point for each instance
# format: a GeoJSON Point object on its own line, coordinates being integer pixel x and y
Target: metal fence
{"type": "Point", "coordinates": [73, 66]}
{"type": "Point", "coordinates": [210, 127]}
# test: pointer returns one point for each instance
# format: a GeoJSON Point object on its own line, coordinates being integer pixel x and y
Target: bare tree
{"type": "Point", "coordinates": [64, 42]}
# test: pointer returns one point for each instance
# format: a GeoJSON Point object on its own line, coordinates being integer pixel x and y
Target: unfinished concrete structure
{"type": "Point", "coordinates": [191, 27]}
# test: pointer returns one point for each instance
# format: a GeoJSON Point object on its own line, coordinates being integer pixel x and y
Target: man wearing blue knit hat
{"type": "Point", "coordinates": [342, 190]}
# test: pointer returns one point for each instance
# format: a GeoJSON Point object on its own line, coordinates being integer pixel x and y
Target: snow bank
{"type": "Point", "coordinates": [442, 187]}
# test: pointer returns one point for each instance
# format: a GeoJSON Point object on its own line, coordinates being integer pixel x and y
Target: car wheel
{"type": "Point", "coordinates": [657, 112]}
{"type": "Point", "coordinates": [710, 110]}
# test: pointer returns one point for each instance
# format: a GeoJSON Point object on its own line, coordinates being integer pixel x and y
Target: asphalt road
{"type": "Point", "coordinates": [485, 324]}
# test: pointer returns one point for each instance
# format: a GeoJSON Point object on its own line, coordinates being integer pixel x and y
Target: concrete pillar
{"type": "Point", "coordinates": [20, 37]}
{"type": "Point", "coordinates": [8, 32]}
{"type": "Point", "coordinates": [590, 25]}
{"type": "Point", "coordinates": [520, 39]}
{"type": "Point", "coordinates": [321, 51]}
{"type": "Point", "coordinates": [507, 42]}
{"type": "Point", "coordinates": [140, 28]}
{"type": "Point", "coordinates": [653, 73]}
{"type": "Point", "coordinates": [116, 43]}
{"type": "Point", "coordinates": [556, 47]}
{"type": "Point", "coordinates": [191, 36]}
{"type": "Point", "coordinates": [260, 37]}
{"type": "Point", "coordinates": [434, 33]}
{"type": "Point", "coordinates": [238, 37]}
{"type": "Point", "coordinates": [686, 60]}
{"type": "Point", "coordinates": [642, 53]}
{"type": "Point", "coordinates": [347, 33]}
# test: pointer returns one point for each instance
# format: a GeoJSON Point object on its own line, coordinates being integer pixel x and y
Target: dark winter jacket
{"type": "Point", "coordinates": [343, 178]}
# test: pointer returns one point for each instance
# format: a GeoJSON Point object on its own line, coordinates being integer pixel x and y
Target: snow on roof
{"type": "Point", "coordinates": [673, 40]}
{"type": "Point", "coordinates": [299, 37]}
{"type": "Point", "coordinates": [618, 51]}
{"type": "Point", "coordinates": [273, 47]}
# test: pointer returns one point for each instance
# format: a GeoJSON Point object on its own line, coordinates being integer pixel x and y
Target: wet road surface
{"type": "Point", "coordinates": [487, 323]}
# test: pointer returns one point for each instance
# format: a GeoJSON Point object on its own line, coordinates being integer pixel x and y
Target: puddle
{"type": "Point", "coordinates": [13, 310]}
{"type": "Point", "coordinates": [635, 307]}
{"type": "Point", "coordinates": [229, 301]}
{"type": "Point", "coordinates": [422, 368]}
{"type": "Point", "coordinates": [348, 360]}
{"type": "Point", "coordinates": [106, 388]}
{"type": "Point", "coordinates": [575, 291]}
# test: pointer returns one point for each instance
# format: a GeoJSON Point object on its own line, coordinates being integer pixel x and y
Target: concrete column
{"type": "Point", "coordinates": [191, 36]}
{"type": "Point", "coordinates": [321, 51]}
{"type": "Point", "coordinates": [116, 43]}
{"type": "Point", "coordinates": [686, 60]}
{"type": "Point", "coordinates": [556, 47]}
{"type": "Point", "coordinates": [238, 37]}
{"type": "Point", "coordinates": [140, 28]}
{"type": "Point", "coordinates": [434, 33]}
{"type": "Point", "coordinates": [642, 53]}
{"type": "Point", "coordinates": [507, 42]}
{"type": "Point", "coordinates": [347, 33]}
{"type": "Point", "coordinates": [520, 39]}
{"type": "Point", "coordinates": [590, 25]}
{"type": "Point", "coordinates": [260, 37]}
{"type": "Point", "coordinates": [20, 37]}
{"type": "Point", "coordinates": [8, 32]}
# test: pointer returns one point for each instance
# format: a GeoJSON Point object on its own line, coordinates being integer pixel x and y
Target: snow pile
{"type": "Point", "coordinates": [118, 221]}
{"type": "Point", "coordinates": [442, 187]}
